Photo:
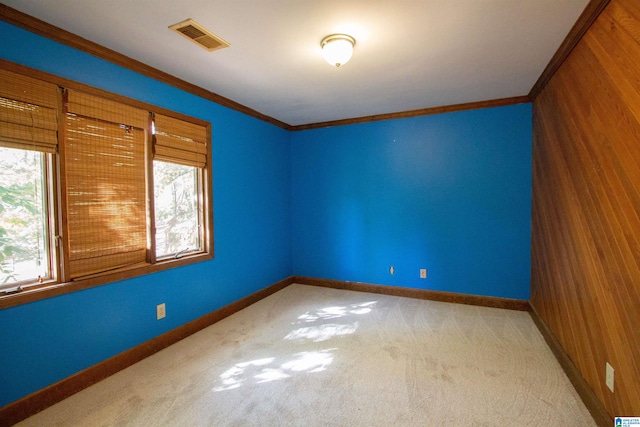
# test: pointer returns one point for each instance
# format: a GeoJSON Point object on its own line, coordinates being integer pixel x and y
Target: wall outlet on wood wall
{"type": "Point", "coordinates": [609, 376]}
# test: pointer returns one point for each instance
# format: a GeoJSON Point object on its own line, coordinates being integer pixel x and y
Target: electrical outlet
{"type": "Point", "coordinates": [161, 311]}
{"type": "Point", "coordinates": [423, 273]}
{"type": "Point", "coordinates": [392, 270]}
{"type": "Point", "coordinates": [609, 376]}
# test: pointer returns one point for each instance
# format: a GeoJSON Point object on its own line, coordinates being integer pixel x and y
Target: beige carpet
{"type": "Point", "coordinates": [309, 356]}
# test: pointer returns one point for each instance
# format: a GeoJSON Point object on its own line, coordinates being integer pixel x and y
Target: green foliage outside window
{"type": "Point", "coordinates": [176, 208]}
{"type": "Point", "coordinates": [23, 254]}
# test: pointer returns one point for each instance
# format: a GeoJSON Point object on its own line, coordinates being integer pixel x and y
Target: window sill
{"type": "Point", "coordinates": [45, 290]}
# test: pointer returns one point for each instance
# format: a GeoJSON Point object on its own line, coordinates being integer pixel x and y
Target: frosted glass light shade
{"type": "Point", "coordinates": [337, 48]}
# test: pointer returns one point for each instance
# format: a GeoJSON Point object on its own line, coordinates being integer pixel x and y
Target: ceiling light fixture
{"type": "Point", "coordinates": [337, 48]}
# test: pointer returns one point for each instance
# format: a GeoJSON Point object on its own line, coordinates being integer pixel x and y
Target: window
{"type": "Point", "coordinates": [24, 225]}
{"type": "Point", "coordinates": [180, 157]}
{"type": "Point", "coordinates": [176, 209]}
{"type": "Point", "coordinates": [28, 139]}
{"type": "Point", "coordinates": [95, 188]}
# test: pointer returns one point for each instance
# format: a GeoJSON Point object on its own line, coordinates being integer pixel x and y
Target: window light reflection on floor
{"type": "Point", "coordinates": [234, 377]}
{"type": "Point", "coordinates": [310, 361]}
{"type": "Point", "coordinates": [322, 332]}
{"type": "Point", "coordinates": [269, 369]}
{"type": "Point", "coordinates": [337, 312]}
{"type": "Point", "coordinates": [266, 370]}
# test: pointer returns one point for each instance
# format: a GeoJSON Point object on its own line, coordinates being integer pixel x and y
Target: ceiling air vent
{"type": "Point", "coordinates": [198, 34]}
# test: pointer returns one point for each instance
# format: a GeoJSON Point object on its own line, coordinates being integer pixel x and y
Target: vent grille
{"type": "Point", "coordinates": [200, 35]}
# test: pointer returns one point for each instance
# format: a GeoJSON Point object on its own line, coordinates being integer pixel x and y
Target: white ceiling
{"type": "Point", "coordinates": [409, 54]}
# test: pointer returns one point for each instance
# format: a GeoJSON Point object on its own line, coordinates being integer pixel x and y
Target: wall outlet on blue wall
{"type": "Point", "coordinates": [161, 311]}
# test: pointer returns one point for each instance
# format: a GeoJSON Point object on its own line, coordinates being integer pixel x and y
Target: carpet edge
{"type": "Point", "coordinates": [425, 294]}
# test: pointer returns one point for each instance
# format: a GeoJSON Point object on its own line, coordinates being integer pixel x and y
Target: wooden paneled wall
{"type": "Point", "coordinates": [585, 272]}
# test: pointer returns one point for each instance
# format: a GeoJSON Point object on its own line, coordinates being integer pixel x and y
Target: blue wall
{"type": "Point", "coordinates": [450, 193]}
{"type": "Point", "coordinates": [46, 341]}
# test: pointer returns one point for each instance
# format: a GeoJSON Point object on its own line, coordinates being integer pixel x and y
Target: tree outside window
{"type": "Point", "coordinates": [23, 226]}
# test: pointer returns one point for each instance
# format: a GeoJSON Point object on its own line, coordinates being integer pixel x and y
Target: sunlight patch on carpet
{"type": "Point", "coordinates": [267, 369]}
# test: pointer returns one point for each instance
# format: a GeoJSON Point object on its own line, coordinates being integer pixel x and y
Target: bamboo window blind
{"type": "Point", "coordinates": [106, 184]}
{"type": "Point", "coordinates": [178, 141]}
{"type": "Point", "coordinates": [28, 113]}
